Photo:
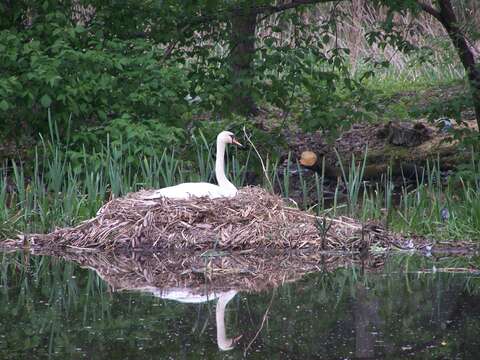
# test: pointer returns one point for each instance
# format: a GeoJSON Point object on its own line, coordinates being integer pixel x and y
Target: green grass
{"type": "Point", "coordinates": [418, 73]}
{"type": "Point", "coordinates": [419, 90]}
{"type": "Point", "coordinates": [419, 209]}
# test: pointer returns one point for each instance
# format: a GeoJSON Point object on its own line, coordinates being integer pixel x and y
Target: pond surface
{"type": "Point", "coordinates": [415, 308]}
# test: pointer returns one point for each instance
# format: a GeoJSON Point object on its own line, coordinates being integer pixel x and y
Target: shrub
{"type": "Point", "coordinates": [77, 73]}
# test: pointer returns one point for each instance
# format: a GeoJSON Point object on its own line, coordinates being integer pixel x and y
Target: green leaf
{"type": "Point", "coordinates": [46, 101]}
{"type": "Point", "coordinates": [269, 41]}
{"type": "Point", "coordinates": [4, 105]}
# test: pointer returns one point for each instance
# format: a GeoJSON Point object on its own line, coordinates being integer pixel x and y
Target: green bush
{"type": "Point", "coordinates": [78, 73]}
{"type": "Point", "coordinates": [134, 140]}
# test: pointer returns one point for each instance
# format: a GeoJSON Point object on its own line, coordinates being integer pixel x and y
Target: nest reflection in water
{"type": "Point", "coordinates": [207, 271]}
{"type": "Point", "coordinates": [206, 276]}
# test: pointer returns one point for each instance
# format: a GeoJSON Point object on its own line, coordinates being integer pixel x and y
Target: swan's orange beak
{"type": "Point", "coordinates": [235, 141]}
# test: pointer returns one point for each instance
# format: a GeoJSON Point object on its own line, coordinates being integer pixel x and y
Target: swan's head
{"type": "Point", "coordinates": [227, 137]}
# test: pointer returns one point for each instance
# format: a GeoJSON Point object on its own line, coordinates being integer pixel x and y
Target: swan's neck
{"type": "Point", "coordinates": [220, 167]}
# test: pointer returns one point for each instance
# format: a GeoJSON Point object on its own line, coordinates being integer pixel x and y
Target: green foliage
{"type": "Point", "coordinates": [310, 79]}
{"type": "Point", "coordinates": [134, 139]}
{"type": "Point", "coordinates": [139, 59]}
{"type": "Point", "coordinates": [61, 66]}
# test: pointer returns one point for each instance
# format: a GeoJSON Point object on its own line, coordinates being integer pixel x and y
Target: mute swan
{"type": "Point", "coordinates": [224, 188]}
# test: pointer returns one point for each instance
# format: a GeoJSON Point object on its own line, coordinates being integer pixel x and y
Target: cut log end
{"type": "Point", "coordinates": [308, 158]}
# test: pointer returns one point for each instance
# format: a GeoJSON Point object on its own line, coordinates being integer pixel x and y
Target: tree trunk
{"type": "Point", "coordinates": [449, 20]}
{"type": "Point", "coordinates": [242, 42]}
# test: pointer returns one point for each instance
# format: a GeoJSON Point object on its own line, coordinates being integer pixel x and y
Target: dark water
{"type": "Point", "coordinates": [54, 309]}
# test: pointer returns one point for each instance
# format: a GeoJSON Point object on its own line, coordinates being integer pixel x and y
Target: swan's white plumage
{"type": "Point", "coordinates": [201, 189]}
{"type": "Point", "coordinates": [186, 190]}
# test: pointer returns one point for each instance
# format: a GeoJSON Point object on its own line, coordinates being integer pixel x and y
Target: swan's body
{"type": "Point", "coordinates": [201, 189]}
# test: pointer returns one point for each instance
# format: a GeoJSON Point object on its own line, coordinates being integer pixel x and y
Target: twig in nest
{"type": "Point", "coordinates": [259, 157]}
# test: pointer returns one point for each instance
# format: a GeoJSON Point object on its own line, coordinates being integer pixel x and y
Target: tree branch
{"type": "Point", "coordinates": [292, 4]}
{"type": "Point", "coordinates": [430, 10]}
{"type": "Point", "coordinates": [266, 10]}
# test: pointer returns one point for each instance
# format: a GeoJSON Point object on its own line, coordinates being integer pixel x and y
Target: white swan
{"type": "Point", "coordinates": [224, 188]}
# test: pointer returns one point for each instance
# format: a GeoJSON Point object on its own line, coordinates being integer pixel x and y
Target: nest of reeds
{"type": "Point", "coordinates": [254, 219]}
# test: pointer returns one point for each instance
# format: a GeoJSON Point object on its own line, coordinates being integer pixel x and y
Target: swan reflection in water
{"type": "Point", "coordinates": [186, 295]}
{"type": "Point", "coordinates": [116, 274]}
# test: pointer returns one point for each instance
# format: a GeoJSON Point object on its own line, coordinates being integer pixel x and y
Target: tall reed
{"type": "Point", "coordinates": [353, 179]}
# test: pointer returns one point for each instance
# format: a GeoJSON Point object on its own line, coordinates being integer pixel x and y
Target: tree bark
{"type": "Point", "coordinates": [243, 22]}
{"type": "Point", "coordinates": [242, 42]}
{"type": "Point", "coordinates": [449, 20]}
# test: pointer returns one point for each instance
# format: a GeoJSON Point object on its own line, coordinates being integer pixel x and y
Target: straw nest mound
{"type": "Point", "coordinates": [254, 219]}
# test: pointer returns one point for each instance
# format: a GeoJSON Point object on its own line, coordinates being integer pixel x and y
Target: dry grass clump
{"type": "Point", "coordinates": [253, 219]}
